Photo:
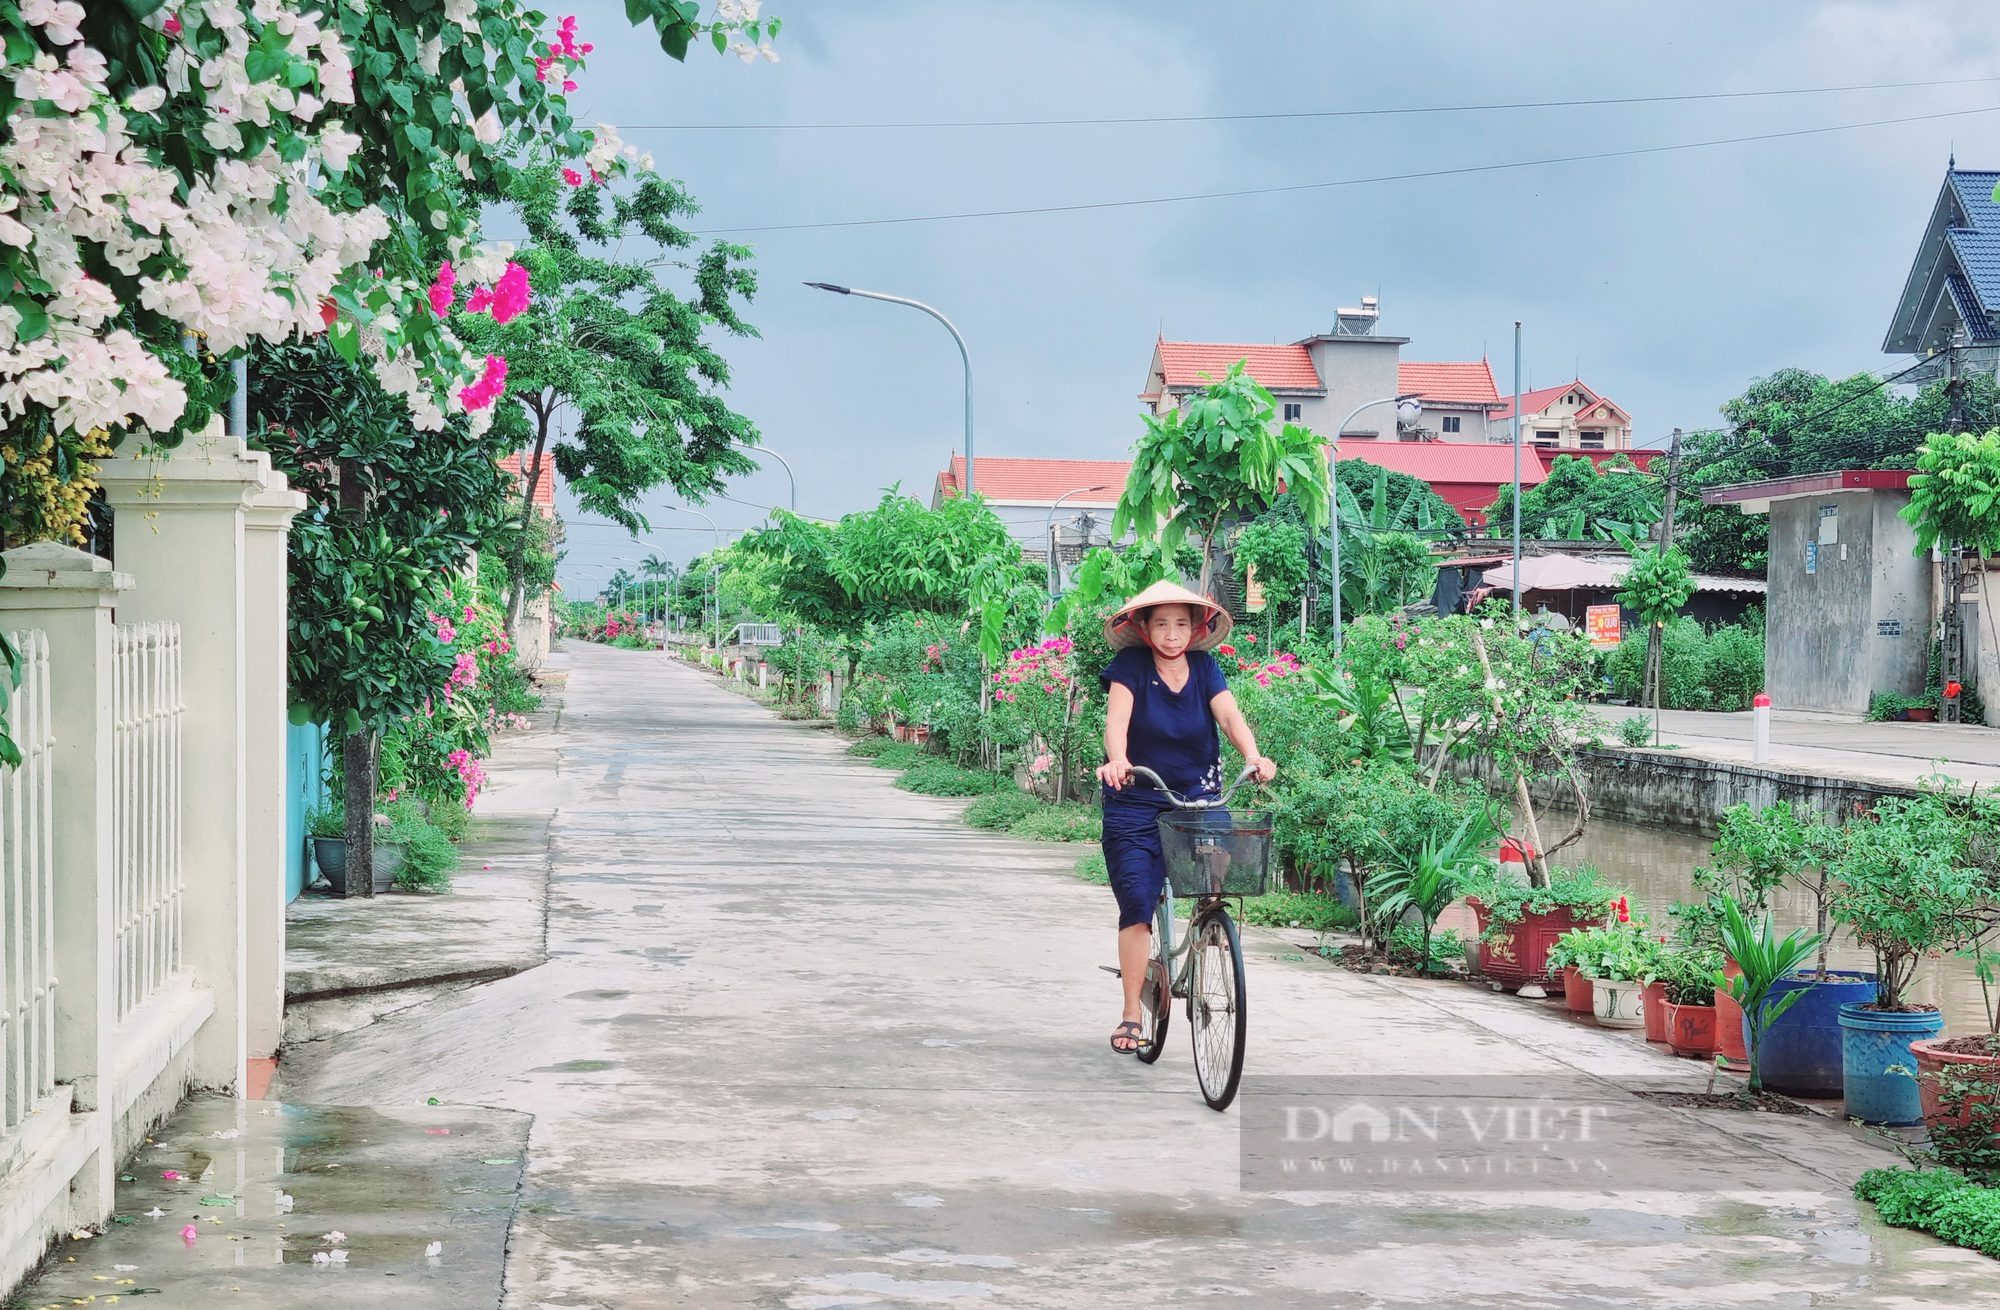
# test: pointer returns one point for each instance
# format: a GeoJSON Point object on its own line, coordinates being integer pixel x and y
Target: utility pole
{"type": "Point", "coordinates": [1951, 580]}
{"type": "Point", "coordinates": [1517, 475]}
{"type": "Point", "coordinates": [1654, 635]}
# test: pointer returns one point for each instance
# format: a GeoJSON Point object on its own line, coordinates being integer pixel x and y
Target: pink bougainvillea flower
{"type": "Point", "coordinates": [568, 87]}
{"type": "Point", "coordinates": [470, 617]}
{"type": "Point", "coordinates": [572, 177]}
{"type": "Point", "coordinates": [510, 294]}
{"type": "Point", "coordinates": [328, 311]}
{"type": "Point", "coordinates": [172, 26]}
{"type": "Point", "coordinates": [441, 294]}
{"type": "Point", "coordinates": [489, 387]}
{"type": "Point", "coordinates": [172, 1175]}
{"type": "Point", "coordinates": [189, 1233]}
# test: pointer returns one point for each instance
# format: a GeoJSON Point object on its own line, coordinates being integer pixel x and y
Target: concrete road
{"type": "Point", "coordinates": [1898, 754]}
{"type": "Point", "coordinates": [804, 1040]}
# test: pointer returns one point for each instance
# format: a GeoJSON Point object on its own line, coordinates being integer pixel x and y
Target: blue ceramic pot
{"type": "Point", "coordinates": [1879, 1075]}
{"type": "Point", "coordinates": [1802, 1050]}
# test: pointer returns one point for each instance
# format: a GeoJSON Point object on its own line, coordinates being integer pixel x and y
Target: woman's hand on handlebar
{"type": "Point", "coordinates": [1267, 768]}
{"type": "Point", "coordinates": [1115, 774]}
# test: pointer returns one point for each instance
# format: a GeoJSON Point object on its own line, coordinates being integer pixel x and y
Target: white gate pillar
{"type": "Point", "coordinates": [267, 527]}
{"type": "Point", "coordinates": [179, 525]}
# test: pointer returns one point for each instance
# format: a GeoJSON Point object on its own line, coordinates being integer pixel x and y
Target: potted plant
{"type": "Point", "coordinates": [1615, 959]}
{"type": "Point", "coordinates": [1425, 881]}
{"type": "Point", "coordinates": [1958, 1078]}
{"type": "Point", "coordinates": [1687, 978]}
{"type": "Point", "coordinates": [1562, 962]}
{"type": "Point", "coordinates": [1519, 923]}
{"type": "Point", "coordinates": [326, 829]}
{"type": "Point", "coordinates": [1761, 960]}
{"type": "Point", "coordinates": [1751, 859]}
{"type": "Point", "coordinates": [1907, 889]}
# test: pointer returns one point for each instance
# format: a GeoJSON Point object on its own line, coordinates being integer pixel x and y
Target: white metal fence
{"type": "Point", "coordinates": [146, 804]}
{"type": "Point", "coordinates": [27, 890]}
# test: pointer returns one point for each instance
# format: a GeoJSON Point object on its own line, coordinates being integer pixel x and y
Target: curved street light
{"type": "Point", "coordinates": [962, 353]}
{"type": "Point", "coordinates": [1048, 528]}
{"type": "Point", "coordinates": [1408, 410]}
{"type": "Point", "coordinates": [714, 570]}
{"type": "Point", "coordinates": [789, 475]}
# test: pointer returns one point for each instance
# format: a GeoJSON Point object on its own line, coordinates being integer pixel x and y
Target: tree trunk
{"type": "Point", "coordinates": [358, 760]}
{"type": "Point", "coordinates": [516, 589]}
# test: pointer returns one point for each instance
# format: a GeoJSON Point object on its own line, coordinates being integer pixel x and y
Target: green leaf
{"type": "Point", "coordinates": [34, 319]}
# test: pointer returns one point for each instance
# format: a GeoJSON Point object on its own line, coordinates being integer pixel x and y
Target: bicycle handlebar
{"type": "Point", "coordinates": [1180, 803]}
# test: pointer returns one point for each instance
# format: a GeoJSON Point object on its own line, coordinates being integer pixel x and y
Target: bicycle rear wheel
{"type": "Point", "coordinates": [1156, 1001]}
{"type": "Point", "coordinates": [1216, 1011]}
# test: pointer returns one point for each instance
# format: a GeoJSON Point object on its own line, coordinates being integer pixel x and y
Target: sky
{"type": "Point", "coordinates": [1666, 280]}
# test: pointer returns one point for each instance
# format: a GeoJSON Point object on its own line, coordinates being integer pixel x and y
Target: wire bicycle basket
{"type": "Point", "coordinates": [1219, 852]}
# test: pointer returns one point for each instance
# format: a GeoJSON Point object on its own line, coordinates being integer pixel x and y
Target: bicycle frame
{"type": "Point", "coordinates": [1163, 923]}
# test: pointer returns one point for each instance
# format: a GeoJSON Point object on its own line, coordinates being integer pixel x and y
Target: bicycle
{"type": "Point", "coordinates": [1212, 853]}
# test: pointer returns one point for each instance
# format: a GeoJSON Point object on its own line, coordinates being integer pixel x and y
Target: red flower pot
{"type": "Point", "coordinates": [1729, 1022]}
{"type": "Point", "coordinates": [1924, 715]}
{"type": "Point", "coordinates": [1522, 957]}
{"type": "Point", "coordinates": [1576, 990]}
{"type": "Point", "coordinates": [1931, 1062]}
{"type": "Point", "coordinates": [1690, 1030]}
{"type": "Point", "coordinates": [1654, 998]}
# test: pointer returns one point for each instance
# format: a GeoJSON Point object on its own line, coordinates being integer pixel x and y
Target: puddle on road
{"type": "Point", "coordinates": [577, 1066]}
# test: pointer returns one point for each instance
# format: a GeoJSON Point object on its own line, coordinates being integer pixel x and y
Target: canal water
{"type": "Point", "coordinates": [1655, 866]}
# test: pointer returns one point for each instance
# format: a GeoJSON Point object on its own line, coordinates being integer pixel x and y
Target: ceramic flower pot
{"type": "Point", "coordinates": [330, 854]}
{"type": "Point", "coordinates": [1691, 1030]}
{"type": "Point", "coordinates": [1617, 1003]}
{"type": "Point", "coordinates": [1802, 1047]}
{"type": "Point", "coordinates": [1878, 1073]}
{"type": "Point", "coordinates": [1653, 997]}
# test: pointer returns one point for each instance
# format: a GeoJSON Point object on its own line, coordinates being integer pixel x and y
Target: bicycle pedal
{"type": "Point", "coordinates": [1113, 970]}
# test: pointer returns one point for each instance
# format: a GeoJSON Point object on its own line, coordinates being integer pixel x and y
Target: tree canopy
{"type": "Point", "coordinates": [1579, 501]}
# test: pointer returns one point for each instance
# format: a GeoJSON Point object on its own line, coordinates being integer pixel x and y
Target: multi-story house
{"type": "Point", "coordinates": [1570, 417]}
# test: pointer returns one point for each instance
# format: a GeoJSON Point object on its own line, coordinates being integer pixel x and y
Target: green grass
{"type": "Point", "coordinates": [900, 755]}
{"type": "Point", "coordinates": [1312, 911]}
{"type": "Point", "coordinates": [1936, 1201]}
{"type": "Point", "coordinates": [1070, 822]}
{"type": "Point", "coordinates": [1090, 867]}
{"type": "Point", "coordinates": [1001, 809]}
{"type": "Point", "coordinates": [934, 777]}
{"type": "Point", "coordinates": [869, 747]}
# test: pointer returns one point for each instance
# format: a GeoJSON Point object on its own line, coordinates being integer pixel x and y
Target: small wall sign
{"type": "Point", "coordinates": [1812, 557]}
{"type": "Point", "coordinates": [1888, 627]}
{"type": "Point", "coordinates": [1829, 524]}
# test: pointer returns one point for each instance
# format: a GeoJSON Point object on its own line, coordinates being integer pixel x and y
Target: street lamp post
{"type": "Point", "coordinates": [962, 354]}
{"type": "Point", "coordinates": [715, 570]}
{"type": "Point", "coordinates": [1049, 528]}
{"type": "Point", "coordinates": [1408, 410]}
{"type": "Point", "coordinates": [789, 475]}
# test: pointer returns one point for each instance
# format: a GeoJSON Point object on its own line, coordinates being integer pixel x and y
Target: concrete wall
{"type": "Point", "coordinates": [1860, 622]}
{"type": "Point", "coordinates": [1354, 370]}
{"type": "Point", "coordinates": [305, 789]}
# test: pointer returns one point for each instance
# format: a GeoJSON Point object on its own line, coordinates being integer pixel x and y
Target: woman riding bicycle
{"type": "Point", "coordinates": [1167, 699]}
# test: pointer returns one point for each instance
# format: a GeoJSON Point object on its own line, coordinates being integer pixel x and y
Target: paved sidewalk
{"type": "Point", "coordinates": [805, 1040]}
{"type": "Point", "coordinates": [1894, 754]}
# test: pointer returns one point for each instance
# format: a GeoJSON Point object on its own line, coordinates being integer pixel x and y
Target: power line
{"type": "Point", "coordinates": [1462, 171]}
{"type": "Point", "coordinates": [1305, 114]}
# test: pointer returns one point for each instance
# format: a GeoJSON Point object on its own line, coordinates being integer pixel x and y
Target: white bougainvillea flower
{"type": "Point", "coordinates": [146, 99]}
{"type": "Point", "coordinates": [61, 23]}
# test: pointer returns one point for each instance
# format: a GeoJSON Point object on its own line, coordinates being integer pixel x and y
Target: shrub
{"type": "Point", "coordinates": [1001, 809]}
{"type": "Point", "coordinates": [1702, 669]}
{"type": "Point", "coordinates": [1060, 823]}
{"type": "Point", "coordinates": [848, 716]}
{"type": "Point", "coordinates": [1935, 1201]}
{"type": "Point", "coordinates": [328, 819]}
{"type": "Point", "coordinates": [1406, 945]}
{"type": "Point", "coordinates": [429, 858]}
{"type": "Point", "coordinates": [899, 755]}
{"type": "Point", "coordinates": [934, 777]}
{"type": "Point", "coordinates": [1312, 911]}
{"type": "Point", "coordinates": [870, 747]}
{"type": "Point", "coordinates": [1734, 668]}
{"type": "Point", "coordinates": [1636, 731]}
{"type": "Point", "coordinates": [1090, 867]}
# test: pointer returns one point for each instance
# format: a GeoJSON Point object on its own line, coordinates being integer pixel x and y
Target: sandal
{"type": "Point", "coordinates": [1128, 1031]}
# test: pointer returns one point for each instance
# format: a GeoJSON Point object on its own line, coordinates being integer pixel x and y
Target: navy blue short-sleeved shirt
{"type": "Point", "coordinates": [1173, 733]}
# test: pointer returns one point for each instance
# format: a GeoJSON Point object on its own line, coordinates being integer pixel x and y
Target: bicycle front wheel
{"type": "Point", "coordinates": [1156, 1000]}
{"type": "Point", "coordinates": [1216, 1013]}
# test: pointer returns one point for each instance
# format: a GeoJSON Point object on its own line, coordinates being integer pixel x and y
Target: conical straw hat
{"type": "Point", "coordinates": [1212, 622]}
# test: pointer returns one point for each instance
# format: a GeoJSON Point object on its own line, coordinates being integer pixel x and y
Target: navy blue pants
{"type": "Point", "coordinates": [1132, 856]}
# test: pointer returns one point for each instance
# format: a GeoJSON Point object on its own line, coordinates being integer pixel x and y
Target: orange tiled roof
{"type": "Point", "coordinates": [1465, 384]}
{"type": "Point", "coordinates": [1278, 368]}
{"type": "Point", "coordinates": [1534, 402]}
{"type": "Point", "coordinates": [545, 494]}
{"type": "Point", "coordinates": [1442, 462]}
{"type": "Point", "coordinates": [1041, 481]}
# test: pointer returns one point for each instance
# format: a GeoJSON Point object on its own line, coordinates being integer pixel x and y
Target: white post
{"type": "Point", "coordinates": [763, 676]}
{"type": "Point", "coordinates": [70, 596]}
{"type": "Point", "coordinates": [267, 525]}
{"type": "Point", "coordinates": [180, 523]}
{"type": "Point", "coordinates": [1760, 729]}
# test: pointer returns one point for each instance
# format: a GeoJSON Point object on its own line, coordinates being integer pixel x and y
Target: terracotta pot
{"type": "Point", "coordinates": [1691, 1030]}
{"type": "Point", "coordinates": [1654, 996]}
{"type": "Point", "coordinates": [1729, 1023]}
{"type": "Point", "coordinates": [1931, 1062]}
{"type": "Point", "coordinates": [1924, 715]}
{"type": "Point", "coordinates": [1522, 956]}
{"type": "Point", "coordinates": [1576, 990]}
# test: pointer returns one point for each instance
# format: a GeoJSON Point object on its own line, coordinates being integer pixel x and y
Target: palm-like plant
{"type": "Point", "coordinates": [1765, 961]}
{"type": "Point", "coordinates": [1429, 878]}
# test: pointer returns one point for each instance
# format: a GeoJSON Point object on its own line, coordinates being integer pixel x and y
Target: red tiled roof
{"type": "Point", "coordinates": [1534, 402]}
{"type": "Point", "coordinates": [545, 494]}
{"type": "Point", "coordinates": [1464, 475]}
{"type": "Point", "coordinates": [1279, 368]}
{"type": "Point", "coordinates": [1040, 481]}
{"type": "Point", "coordinates": [1466, 384]}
